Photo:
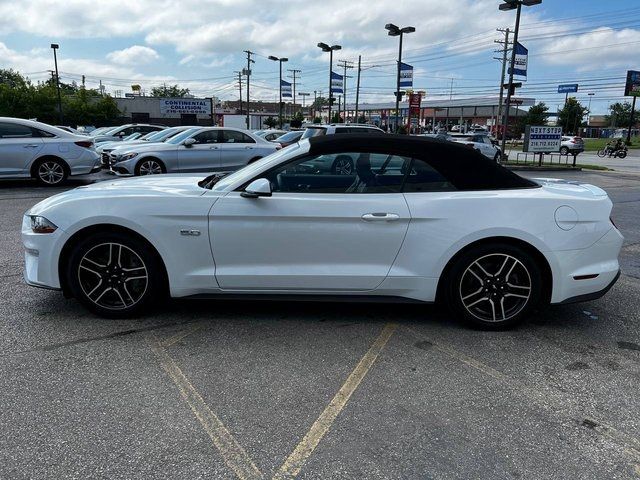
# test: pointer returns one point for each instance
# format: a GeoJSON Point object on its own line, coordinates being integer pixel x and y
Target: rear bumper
{"type": "Point", "coordinates": [592, 296]}
{"type": "Point", "coordinates": [581, 275]}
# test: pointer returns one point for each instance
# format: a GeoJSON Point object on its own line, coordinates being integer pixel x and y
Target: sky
{"type": "Point", "coordinates": [199, 44]}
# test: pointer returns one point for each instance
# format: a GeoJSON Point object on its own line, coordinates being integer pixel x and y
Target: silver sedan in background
{"type": "Point", "coordinates": [200, 149]}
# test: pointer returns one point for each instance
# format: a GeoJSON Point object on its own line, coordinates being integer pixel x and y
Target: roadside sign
{"type": "Point", "coordinates": [571, 88]}
{"type": "Point", "coordinates": [632, 88]}
{"type": "Point", "coordinates": [542, 139]}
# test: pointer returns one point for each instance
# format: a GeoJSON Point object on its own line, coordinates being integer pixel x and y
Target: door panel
{"type": "Point", "coordinates": [202, 156]}
{"type": "Point", "coordinates": [307, 241]}
{"type": "Point", "coordinates": [18, 148]}
{"type": "Point", "coordinates": [236, 149]}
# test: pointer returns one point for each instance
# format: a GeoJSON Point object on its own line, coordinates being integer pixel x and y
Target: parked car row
{"type": "Point", "coordinates": [480, 141]}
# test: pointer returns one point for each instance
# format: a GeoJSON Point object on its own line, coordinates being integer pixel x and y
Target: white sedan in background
{"type": "Point", "coordinates": [480, 142]}
{"type": "Point", "coordinates": [199, 149]}
{"type": "Point", "coordinates": [419, 220]}
{"type": "Point", "coordinates": [49, 154]}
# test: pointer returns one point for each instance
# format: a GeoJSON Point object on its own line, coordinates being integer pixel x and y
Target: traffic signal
{"type": "Point", "coordinates": [513, 87]}
{"type": "Point", "coordinates": [399, 95]}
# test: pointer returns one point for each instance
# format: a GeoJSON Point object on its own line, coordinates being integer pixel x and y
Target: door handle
{"type": "Point", "coordinates": [31, 145]}
{"type": "Point", "coordinates": [248, 148]}
{"type": "Point", "coordinates": [213, 148]}
{"type": "Point", "coordinates": [380, 217]}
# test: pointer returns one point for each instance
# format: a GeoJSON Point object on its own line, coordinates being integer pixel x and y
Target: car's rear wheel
{"type": "Point", "coordinates": [150, 166]}
{"type": "Point", "coordinates": [115, 275]}
{"type": "Point", "coordinates": [50, 172]}
{"type": "Point", "coordinates": [494, 286]}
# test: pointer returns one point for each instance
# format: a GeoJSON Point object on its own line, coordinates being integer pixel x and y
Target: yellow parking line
{"type": "Point", "coordinates": [180, 335]}
{"type": "Point", "coordinates": [234, 455]}
{"type": "Point", "coordinates": [294, 463]}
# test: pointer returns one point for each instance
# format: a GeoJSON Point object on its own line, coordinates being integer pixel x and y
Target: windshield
{"type": "Point", "coordinates": [101, 131]}
{"type": "Point", "coordinates": [289, 137]}
{"type": "Point", "coordinates": [254, 167]}
{"type": "Point", "coordinates": [314, 132]}
{"type": "Point", "coordinates": [160, 135]}
{"type": "Point", "coordinates": [176, 139]}
{"type": "Point", "coordinates": [133, 136]}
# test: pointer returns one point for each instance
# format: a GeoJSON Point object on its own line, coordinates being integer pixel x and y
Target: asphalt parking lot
{"type": "Point", "coordinates": [278, 389]}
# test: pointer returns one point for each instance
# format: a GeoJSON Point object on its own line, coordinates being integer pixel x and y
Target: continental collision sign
{"type": "Point", "coordinates": [185, 105]}
{"type": "Point", "coordinates": [542, 139]}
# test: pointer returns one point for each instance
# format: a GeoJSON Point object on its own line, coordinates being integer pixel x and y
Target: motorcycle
{"type": "Point", "coordinates": [613, 151]}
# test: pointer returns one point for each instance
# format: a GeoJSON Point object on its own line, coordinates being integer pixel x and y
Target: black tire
{"type": "Point", "coordinates": [342, 165]}
{"type": "Point", "coordinates": [482, 292]}
{"type": "Point", "coordinates": [50, 172]}
{"type": "Point", "coordinates": [149, 166]}
{"type": "Point", "coordinates": [564, 151]}
{"type": "Point", "coordinates": [602, 153]}
{"type": "Point", "coordinates": [622, 154]}
{"type": "Point", "coordinates": [115, 275]}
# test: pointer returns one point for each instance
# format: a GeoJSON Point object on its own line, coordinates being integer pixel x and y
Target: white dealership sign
{"type": "Point", "coordinates": [185, 105]}
{"type": "Point", "coordinates": [542, 139]}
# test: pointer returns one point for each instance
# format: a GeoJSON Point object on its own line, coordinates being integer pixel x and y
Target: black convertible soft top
{"type": "Point", "coordinates": [464, 167]}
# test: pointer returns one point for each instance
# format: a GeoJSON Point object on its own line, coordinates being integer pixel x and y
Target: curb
{"type": "Point", "coordinates": [544, 168]}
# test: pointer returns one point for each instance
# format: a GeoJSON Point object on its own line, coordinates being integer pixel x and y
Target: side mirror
{"type": "Point", "coordinates": [260, 187]}
{"type": "Point", "coordinates": [188, 142]}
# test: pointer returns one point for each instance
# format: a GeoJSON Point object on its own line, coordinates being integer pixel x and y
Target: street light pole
{"type": "Point", "coordinates": [326, 48]}
{"type": "Point", "coordinates": [395, 31]}
{"type": "Point", "coordinates": [591, 94]}
{"type": "Point", "coordinates": [280, 61]}
{"type": "Point", "coordinates": [54, 47]}
{"type": "Point", "coordinates": [510, 5]}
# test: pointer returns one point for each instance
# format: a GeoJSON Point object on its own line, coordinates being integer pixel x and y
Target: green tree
{"type": "Point", "coordinates": [336, 118]}
{"type": "Point", "coordinates": [362, 119]}
{"type": "Point", "coordinates": [319, 102]}
{"type": "Point", "coordinates": [270, 122]}
{"type": "Point", "coordinates": [296, 121]}
{"type": "Point", "coordinates": [537, 115]}
{"type": "Point", "coordinates": [317, 120]}
{"type": "Point", "coordinates": [170, 91]}
{"type": "Point", "coordinates": [571, 115]}
{"type": "Point", "coordinates": [620, 115]}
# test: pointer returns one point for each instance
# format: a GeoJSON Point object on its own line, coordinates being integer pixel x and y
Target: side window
{"type": "Point", "coordinates": [14, 130]}
{"type": "Point", "coordinates": [41, 133]}
{"type": "Point", "coordinates": [208, 136]}
{"type": "Point", "coordinates": [232, 136]}
{"type": "Point", "coordinates": [424, 178]}
{"type": "Point", "coordinates": [348, 172]}
{"type": "Point", "coordinates": [127, 131]}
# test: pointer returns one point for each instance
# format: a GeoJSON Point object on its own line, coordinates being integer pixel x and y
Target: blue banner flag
{"type": "Point", "coordinates": [337, 83]}
{"type": "Point", "coordinates": [521, 61]}
{"type": "Point", "coordinates": [406, 75]}
{"type": "Point", "coordinates": [286, 88]}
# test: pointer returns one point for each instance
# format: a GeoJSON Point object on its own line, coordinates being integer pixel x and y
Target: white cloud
{"type": "Point", "coordinates": [134, 55]}
{"type": "Point", "coordinates": [598, 49]}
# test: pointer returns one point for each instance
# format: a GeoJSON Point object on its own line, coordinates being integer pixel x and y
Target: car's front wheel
{"type": "Point", "coordinates": [150, 166]}
{"type": "Point", "coordinates": [115, 275]}
{"type": "Point", "coordinates": [564, 151]}
{"type": "Point", "coordinates": [494, 286]}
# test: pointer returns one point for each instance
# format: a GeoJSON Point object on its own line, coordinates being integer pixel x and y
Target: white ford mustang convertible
{"type": "Point", "coordinates": [416, 220]}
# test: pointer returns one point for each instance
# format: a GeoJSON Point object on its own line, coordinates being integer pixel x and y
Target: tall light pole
{"type": "Point", "coordinates": [395, 31]}
{"type": "Point", "coordinates": [511, 5]}
{"type": "Point", "coordinates": [326, 48]}
{"type": "Point", "coordinates": [280, 61]}
{"type": "Point", "coordinates": [591, 94]}
{"type": "Point", "coordinates": [54, 47]}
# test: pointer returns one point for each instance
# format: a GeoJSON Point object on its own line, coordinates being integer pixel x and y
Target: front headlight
{"type": "Point", "coordinates": [41, 225]}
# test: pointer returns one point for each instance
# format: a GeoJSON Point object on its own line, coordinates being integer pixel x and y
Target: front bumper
{"type": "Point", "coordinates": [581, 275]}
{"type": "Point", "coordinates": [41, 256]}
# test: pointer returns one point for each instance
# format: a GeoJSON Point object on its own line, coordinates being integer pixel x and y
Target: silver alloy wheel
{"type": "Point", "coordinates": [495, 287]}
{"type": "Point", "coordinates": [113, 276]}
{"type": "Point", "coordinates": [343, 167]}
{"type": "Point", "coordinates": [51, 172]}
{"type": "Point", "coordinates": [150, 167]}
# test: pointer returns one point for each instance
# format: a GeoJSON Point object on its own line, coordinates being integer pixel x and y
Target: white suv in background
{"type": "Point", "coordinates": [480, 142]}
{"type": "Point", "coordinates": [31, 149]}
{"type": "Point", "coordinates": [339, 128]}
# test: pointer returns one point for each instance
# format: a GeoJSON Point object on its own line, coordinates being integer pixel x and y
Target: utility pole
{"type": "Point", "coordinates": [358, 86]}
{"type": "Point", "coordinates": [294, 72]}
{"type": "Point", "coordinates": [248, 74]}
{"type": "Point", "coordinates": [345, 64]}
{"type": "Point", "coordinates": [315, 103]}
{"type": "Point", "coordinates": [631, 120]}
{"type": "Point", "coordinates": [505, 50]}
{"type": "Point", "coordinates": [101, 87]}
{"type": "Point", "coordinates": [304, 95]}
{"type": "Point", "coordinates": [240, 89]}
{"type": "Point", "coordinates": [451, 90]}
{"type": "Point", "coordinates": [83, 82]}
